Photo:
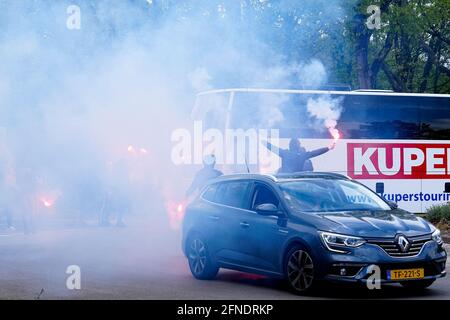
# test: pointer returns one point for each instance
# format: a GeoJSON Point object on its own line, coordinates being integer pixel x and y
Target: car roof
{"type": "Point", "coordinates": [284, 177]}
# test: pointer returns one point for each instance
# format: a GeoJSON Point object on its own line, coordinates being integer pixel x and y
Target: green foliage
{"type": "Point", "coordinates": [438, 213]}
{"type": "Point", "coordinates": [410, 52]}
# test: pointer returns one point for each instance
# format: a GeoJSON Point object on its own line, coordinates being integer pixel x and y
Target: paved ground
{"type": "Point", "coordinates": [141, 262]}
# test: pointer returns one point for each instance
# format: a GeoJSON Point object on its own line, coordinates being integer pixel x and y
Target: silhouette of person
{"type": "Point", "coordinates": [296, 158]}
{"type": "Point", "coordinates": [27, 184]}
{"type": "Point", "coordinates": [118, 197]}
{"type": "Point", "coordinates": [206, 173]}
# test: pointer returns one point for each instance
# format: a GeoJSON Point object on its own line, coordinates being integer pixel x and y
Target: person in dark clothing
{"type": "Point", "coordinates": [5, 198]}
{"type": "Point", "coordinates": [27, 183]}
{"type": "Point", "coordinates": [118, 196]}
{"type": "Point", "coordinates": [206, 173]}
{"type": "Point", "coordinates": [308, 166]}
{"type": "Point", "coordinates": [296, 158]}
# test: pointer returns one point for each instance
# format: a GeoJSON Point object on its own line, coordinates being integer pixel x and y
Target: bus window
{"type": "Point", "coordinates": [258, 110]}
{"type": "Point", "coordinates": [285, 112]}
{"type": "Point", "coordinates": [435, 118]}
{"type": "Point", "coordinates": [297, 122]}
{"type": "Point", "coordinates": [380, 117]}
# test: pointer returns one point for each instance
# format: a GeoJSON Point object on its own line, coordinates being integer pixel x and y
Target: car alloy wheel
{"type": "Point", "coordinates": [200, 263]}
{"type": "Point", "coordinates": [197, 256]}
{"type": "Point", "coordinates": [300, 270]}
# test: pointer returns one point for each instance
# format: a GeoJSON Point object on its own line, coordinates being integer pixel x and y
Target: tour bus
{"type": "Point", "coordinates": [398, 144]}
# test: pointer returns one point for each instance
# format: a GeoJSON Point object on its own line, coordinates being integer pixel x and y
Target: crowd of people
{"type": "Point", "coordinates": [27, 193]}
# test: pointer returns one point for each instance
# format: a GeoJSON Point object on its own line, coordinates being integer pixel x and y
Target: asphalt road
{"type": "Point", "coordinates": [143, 261]}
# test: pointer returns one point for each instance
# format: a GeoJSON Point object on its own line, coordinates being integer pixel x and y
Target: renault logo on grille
{"type": "Point", "coordinates": [403, 243]}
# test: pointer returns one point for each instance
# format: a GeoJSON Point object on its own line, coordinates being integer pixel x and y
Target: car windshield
{"type": "Point", "coordinates": [319, 195]}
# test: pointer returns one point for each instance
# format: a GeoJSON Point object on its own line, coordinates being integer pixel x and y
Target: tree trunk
{"type": "Point", "coordinates": [381, 56]}
{"type": "Point", "coordinates": [362, 52]}
{"type": "Point", "coordinates": [393, 79]}
{"type": "Point", "coordinates": [428, 66]}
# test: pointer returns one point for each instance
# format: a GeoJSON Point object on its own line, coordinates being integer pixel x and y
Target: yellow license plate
{"type": "Point", "coordinates": [417, 273]}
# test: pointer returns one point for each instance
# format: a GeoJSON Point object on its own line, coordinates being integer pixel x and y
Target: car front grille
{"type": "Point", "coordinates": [392, 248]}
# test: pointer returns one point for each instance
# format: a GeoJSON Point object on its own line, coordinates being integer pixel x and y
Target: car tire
{"type": "Point", "coordinates": [299, 269]}
{"type": "Point", "coordinates": [201, 264]}
{"type": "Point", "coordinates": [417, 284]}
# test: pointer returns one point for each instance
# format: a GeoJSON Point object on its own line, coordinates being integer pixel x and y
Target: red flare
{"type": "Point", "coordinates": [47, 202]}
{"type": "Point", "coordinates": [335, 134]}
{"type": "Point", "coordinates": [175, 211]}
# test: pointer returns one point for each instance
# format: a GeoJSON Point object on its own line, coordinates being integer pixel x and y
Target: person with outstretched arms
{"type": "Point", "coordinates": [294, 158]}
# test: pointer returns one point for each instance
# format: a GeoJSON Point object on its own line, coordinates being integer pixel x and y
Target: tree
{"type": "Point", "coordinates": [411, 48]}
{"type": "Point", "coordinates": [409, 51]}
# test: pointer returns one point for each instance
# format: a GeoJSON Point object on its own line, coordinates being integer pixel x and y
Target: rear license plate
{"type": "Point", "coordinates": [402, 274]}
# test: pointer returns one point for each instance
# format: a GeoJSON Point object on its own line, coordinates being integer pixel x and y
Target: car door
{"type": "Point", "coordinates": [232, 200]}
{"type": "Point", "coordinates": [262, 237]}
{"type": "Point", "coordinates": [210, 217]}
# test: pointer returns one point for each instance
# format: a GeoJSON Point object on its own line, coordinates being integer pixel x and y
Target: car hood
{"type": "Point", "coordinates": [375, 223]}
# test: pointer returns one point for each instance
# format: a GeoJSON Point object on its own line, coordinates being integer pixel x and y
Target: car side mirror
{"type": "Point", "coordinates": [393, 205]}
{"type": "Point", "coordinates": [267, 209]}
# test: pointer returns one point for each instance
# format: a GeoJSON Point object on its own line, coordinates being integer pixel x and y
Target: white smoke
{"type": "Point", "coordinates": [313, 74]}
{"type": "Point", "coordinates": [324, 109]}
{"type": "Point", "coordinates": [200, 79]}
{"type": "Point", "coordinates": [327, 111]}
{"type": "Point", "coordinates": [270, 110]}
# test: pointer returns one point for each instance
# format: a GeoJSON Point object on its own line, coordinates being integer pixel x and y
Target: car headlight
{"type": "Point", "coordinates": [436, 236]}
{"type": "Point", "coordinates": [337, 242]}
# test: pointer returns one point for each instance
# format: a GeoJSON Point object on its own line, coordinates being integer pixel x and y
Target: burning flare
{"type": "Point", "coordinates": [47, 202]}
{"type": "Point", "coordinates": [49, 199]}
{"type": "Point", "coordinates": [143, 151]}
{"type": "Point", "coordinates": [136, 151]}
{"type": "Point", "coordinates": [176, 211]}
{"type": "Point", "coordinates": [335, 134]}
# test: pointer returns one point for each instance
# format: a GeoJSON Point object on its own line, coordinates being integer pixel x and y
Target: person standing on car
{"type": "Point", "coordinates": [295, 158]}
{"type": "Point", "coordinates": [206, 173]}
{"type": "Point", "coordinates": [308, 166]}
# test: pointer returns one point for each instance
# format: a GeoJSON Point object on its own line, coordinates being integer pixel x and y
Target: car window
{"type": "Point", "coordinates": [262, 195]}
{"type": "Point", "coordinates": [331, 195]}
{"type": "Point", "coordinates": [353, 196]}
{"type": "Point", "coordinates": [234, 194]}
{"type": "Point", "coordinates": [210, 192]}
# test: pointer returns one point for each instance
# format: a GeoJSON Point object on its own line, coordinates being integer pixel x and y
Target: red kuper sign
{"type": "Point", "coordinates": [398, 160]}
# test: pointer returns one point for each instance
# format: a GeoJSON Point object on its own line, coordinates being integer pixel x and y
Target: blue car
{"type": "Point", "coordinates": [307, 227]}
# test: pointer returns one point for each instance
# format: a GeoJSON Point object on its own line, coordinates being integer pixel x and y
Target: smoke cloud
{"type": "Point", "coordinates": [327, 111]}
{"type": "Point", "coordinates": [313, 74]}
{"type": "Point", "coordinates": [324, 109]}
{"type": "Point", "coordinates": [86, 115]}
{"type": "Point", "coordinates": [73, 101]}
